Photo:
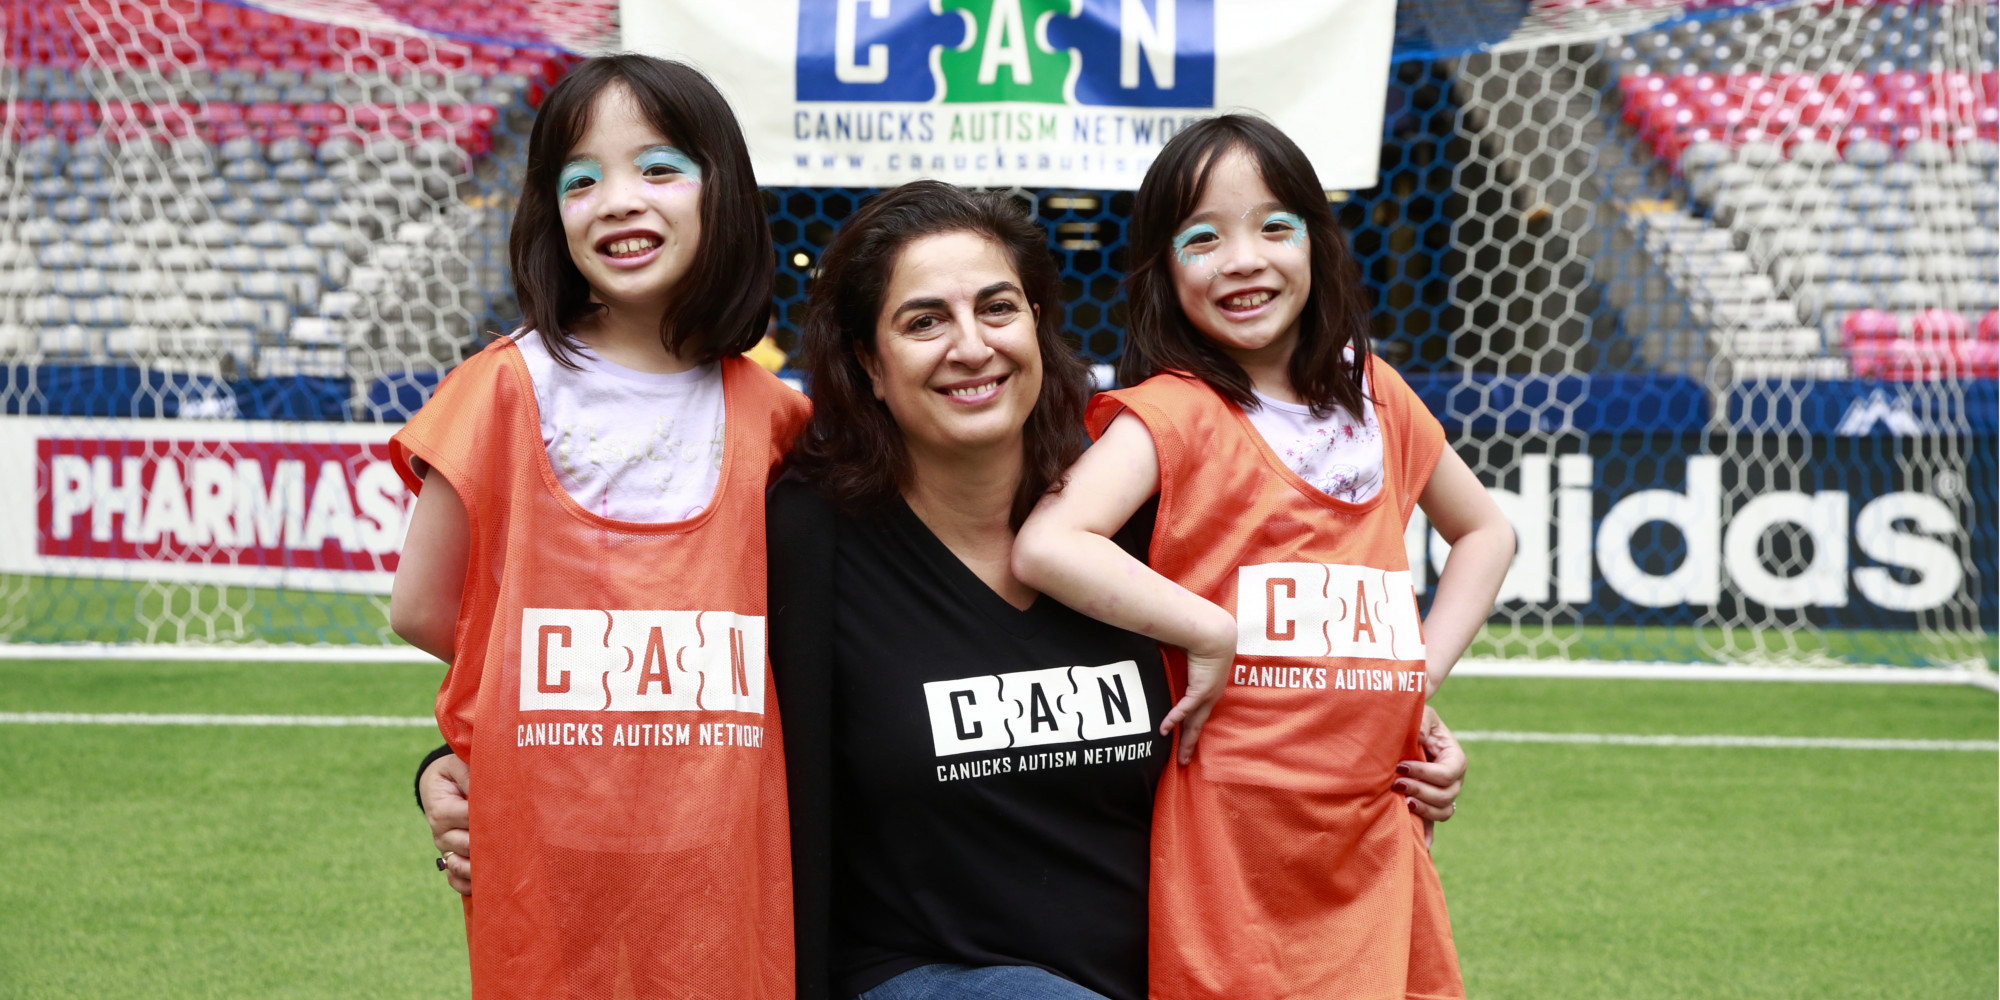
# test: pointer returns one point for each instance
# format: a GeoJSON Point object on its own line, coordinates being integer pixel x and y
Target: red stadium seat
{"type": "Point", "coordinates": [1978, 358]}
{"type": "Point", "coordinates": [1900, 107]}
{"type": "Point", "coordinates": [1931, 325]}
{"type": "Point", "coordinates": [1867, 325]}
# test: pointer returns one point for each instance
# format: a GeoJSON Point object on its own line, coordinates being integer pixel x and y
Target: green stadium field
{"type": "Point", "coordinates": [279, 861]}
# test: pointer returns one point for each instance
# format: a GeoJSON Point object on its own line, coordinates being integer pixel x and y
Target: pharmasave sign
{"type": "Point", "coordinates": [1069, 93]}
{"type": "Point", "coordinates": [311, 506]}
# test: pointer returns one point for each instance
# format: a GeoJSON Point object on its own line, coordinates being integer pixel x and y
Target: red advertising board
{"type": "Point", "coordinates": [319, 505]}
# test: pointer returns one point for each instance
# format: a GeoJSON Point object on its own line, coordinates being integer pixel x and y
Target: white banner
{"type": "Point", "coordinates": [245, 503]}
{"type": "Point", "coordinates": [1039, 93]}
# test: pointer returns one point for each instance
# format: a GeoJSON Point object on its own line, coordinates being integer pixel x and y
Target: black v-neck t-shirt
{"type": "Point", "coordinates": [971, 782]}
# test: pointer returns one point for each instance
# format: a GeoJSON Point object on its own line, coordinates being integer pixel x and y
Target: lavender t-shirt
{"type": "Point", "coordinates": [1339, 455]}
{"type": "Point", "coordinates": [629, 445]}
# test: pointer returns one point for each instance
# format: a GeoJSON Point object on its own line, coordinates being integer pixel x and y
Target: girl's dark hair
{"type": "Point", "coordinates": [724, 300]}
{"type": "Point", "coordinates": [853, 451]}
{"type": "Point", "coordinates": [1335, 317]}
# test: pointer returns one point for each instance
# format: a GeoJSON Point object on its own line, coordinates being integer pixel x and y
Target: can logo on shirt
{"type": "Point", "coordinates": [1036, 708]}
{"type": "Point", "coordinates": [641, 661]}
{"type": "Point", "coordinates": [1326, 610]}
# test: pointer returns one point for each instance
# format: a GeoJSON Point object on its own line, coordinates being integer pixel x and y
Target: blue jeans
{"type": "Point", "coordinates": [967, 982]}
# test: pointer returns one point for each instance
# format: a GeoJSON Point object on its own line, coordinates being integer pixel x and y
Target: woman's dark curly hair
{"type": "Point", "coordinates": [853, 451]}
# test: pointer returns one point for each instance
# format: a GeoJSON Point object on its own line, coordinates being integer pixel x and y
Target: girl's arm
{"type": "Point", "coordinates": [1482, 546]}
{"type": "Point", "coordinates": [430, 576]}
{"type": "Point", "coordinates": [423, 609]}
{"type": "Point", "coordinates": [1065, 550]}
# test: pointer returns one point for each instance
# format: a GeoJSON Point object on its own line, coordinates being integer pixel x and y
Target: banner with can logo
{"type": "Point", "coordinates": [1040, 93]}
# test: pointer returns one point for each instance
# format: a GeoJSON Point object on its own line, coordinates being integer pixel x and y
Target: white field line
{"type": "Point", "coordinates": [135, 652]}
{"type": "Point", "coordinates": [1575, 669]}
{"type": "Point", "coordinates": [1761, 742]}
{"type": "Point", "coordinates": [139, 719]}
{"type": "Point", "coordinates": [1471, 736]}
{"type": "Point", "coordinates": [1628, 670]}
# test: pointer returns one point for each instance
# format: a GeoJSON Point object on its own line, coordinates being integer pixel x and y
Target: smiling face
{"type": "Point", "coordinates": [631, 206]}
{"type": "Point", "coordinates": [956, 358]}
{"type": "Point", "coordinates": [1241, 265]}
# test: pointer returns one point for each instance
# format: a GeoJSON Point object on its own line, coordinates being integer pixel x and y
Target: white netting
{"type": "Point", "coordinates": [1707, 291]}
{"type": "Point", "coordinates": [283, 220]}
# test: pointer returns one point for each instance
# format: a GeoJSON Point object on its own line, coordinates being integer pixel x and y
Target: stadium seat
{"type": "Point", "coordinates": [1938, 324]}
{"type": "Point", "coordinates": [78, 282]}
{"type": "Point", "coordinates": [66, 341]}
{"type": "Point", "coordinates": [63, 255]}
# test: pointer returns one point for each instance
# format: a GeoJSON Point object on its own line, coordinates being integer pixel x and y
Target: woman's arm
{"type": "Point", "coordinates": [1065, 550]}
{"type": "Point", "coordinates": [430, 573]}
{"type": "Point", "coordinates": [1482, 546]}
{"type": "Point", "coordinates": [444, 790]}
{"type": "Point", "coordinates": [799, 533]}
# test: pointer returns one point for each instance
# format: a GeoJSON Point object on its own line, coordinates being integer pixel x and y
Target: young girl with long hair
{"type": "Point", "coordinates": [1286, 458]}
{"type": "Point", "coordinates": [587, 552]}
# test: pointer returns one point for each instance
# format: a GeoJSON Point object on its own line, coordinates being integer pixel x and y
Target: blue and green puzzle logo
{"type": "Point", "coordinates": [1129, 53]}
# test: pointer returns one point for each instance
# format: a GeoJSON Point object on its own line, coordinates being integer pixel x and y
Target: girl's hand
{"type": "Point", "coordinates": [1432, 785]}
{"type": "Point", "coordinates": [1207, 674]}
{"type": "Point", "coordinates": [445, 791]}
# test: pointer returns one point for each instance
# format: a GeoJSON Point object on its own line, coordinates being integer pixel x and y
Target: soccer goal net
{"type": "Point", "coordinates": [1706, 292]}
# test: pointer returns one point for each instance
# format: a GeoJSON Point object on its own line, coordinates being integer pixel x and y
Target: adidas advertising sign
{"type": "Point", "coordinates": [1663, 529]}
{"type": "Point", "coordinates": [1040, 93]}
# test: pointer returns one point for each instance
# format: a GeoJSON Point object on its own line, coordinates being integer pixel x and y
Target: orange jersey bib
{"type": "Point", "coordinates": [1284, 865]}
{"type": "Point", "coordinates": [611, 693]}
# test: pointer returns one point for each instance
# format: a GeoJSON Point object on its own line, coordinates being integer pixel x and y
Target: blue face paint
{"type": "Point", "coordinates": [1297, 237]}
{"type": "Point", "coordinates": [670, 158]}
{"type": "Point", "coordinates": [576, 170]}
{"type": "Point", "coordinates": [1184, 255]}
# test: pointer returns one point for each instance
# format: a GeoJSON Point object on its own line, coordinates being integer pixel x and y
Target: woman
{"type": "Point", "coordinates": [971, 765]}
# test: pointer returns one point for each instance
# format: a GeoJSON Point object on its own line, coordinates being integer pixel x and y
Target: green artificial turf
{"type": "Point", "coordinates": [74, 609]}
{"type": "Point", "coordinates": [157, 861]}
{"type": "Point", "coordinates": [1707, 644]}
{"type": "Point", "coordinates": [1607, 871]}
{"type": "Point", "coordinates": [1853, 711]}
{"type": "Point", "coordinates": [176, 861]}
{"type": "Point", "coordinates": [206, 686]}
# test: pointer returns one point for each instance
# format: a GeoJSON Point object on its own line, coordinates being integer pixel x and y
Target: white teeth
{"type": "Point", "coordinates": [970, 390]}
{"type": "Point", "coordinates": [1250, 301]}
{"type": "Point", "coordinates": [638, 245]}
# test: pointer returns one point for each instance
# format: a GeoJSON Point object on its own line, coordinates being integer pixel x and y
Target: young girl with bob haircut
{"type": "Point", "coordinates": [587, 552]}
{"type": "Point", "coordinates": [1288, 862]}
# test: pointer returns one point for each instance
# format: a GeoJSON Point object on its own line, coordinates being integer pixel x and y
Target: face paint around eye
{"type": "Point", "coordinates": [578, 170]}
{"type": "Point", "coordinates": [1297, 237]}
{"type": "Point", "coordinates": [668, 156]}
{"type": "Point", "coordinates": [1184, 255]}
